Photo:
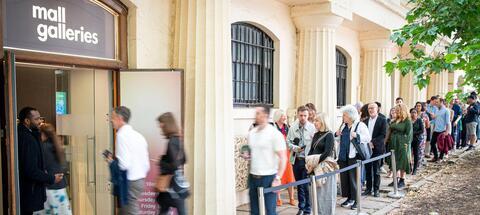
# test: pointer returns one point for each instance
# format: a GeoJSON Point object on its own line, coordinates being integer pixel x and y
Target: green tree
{"type": "Point", "coordinates": [431, 21]}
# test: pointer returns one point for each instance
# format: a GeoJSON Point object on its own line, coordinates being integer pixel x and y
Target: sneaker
{"type": "Point", "coordinates": [347, 203]}
{"type": "Point", "coordinates": [471, 147]}
{"type": "Point", "coordinates": [367, 192]}
{"type": "Point", "coordinates": [401, 183]}
{"type": "Point", "coordinates": [354, 206]}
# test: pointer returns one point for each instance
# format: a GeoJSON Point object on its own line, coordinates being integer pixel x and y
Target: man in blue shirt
{"type": "Point", "coordinates": [442, 125]}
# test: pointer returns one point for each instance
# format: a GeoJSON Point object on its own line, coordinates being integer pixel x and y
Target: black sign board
{"type": "Point", "coordinates": [69, 27]}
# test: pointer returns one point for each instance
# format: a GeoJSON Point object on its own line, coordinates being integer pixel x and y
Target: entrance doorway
{"type": "Point", "coordinates": [77, 102]}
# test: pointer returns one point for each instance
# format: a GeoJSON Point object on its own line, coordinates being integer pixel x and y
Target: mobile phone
{"type": "Point", "coordinates": [107, 153]}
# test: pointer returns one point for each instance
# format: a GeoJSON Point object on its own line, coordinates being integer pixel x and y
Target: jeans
{"type": "Point", "coordinates": [417, 156]}
{"type": "Point", "coordinates": [300, 173]}
{"type": "Point", "coordinates": [255, 182]}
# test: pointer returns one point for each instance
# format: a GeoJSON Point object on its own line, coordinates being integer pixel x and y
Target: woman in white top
{"type": "Point", "coordinates": [351, 128]}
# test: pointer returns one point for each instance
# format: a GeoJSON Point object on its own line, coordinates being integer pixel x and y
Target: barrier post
{"type": "Point", "coordinates": [395, 194]}
{"type": "Point", "coordinates": [313, 191]}
{"type": "Point", "coordinates": [261, 201]}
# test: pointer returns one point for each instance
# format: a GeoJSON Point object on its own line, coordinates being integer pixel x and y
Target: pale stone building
{"type": "Point", "coordinates": [328, 52]}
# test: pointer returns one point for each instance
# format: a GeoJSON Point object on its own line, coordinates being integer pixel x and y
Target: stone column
{"type": "Point", "coordinates": [410, 92]}
{"type": "Point", "coordinates": [202, 47]}
{"type": "Point", "coordinates": [316, 74]}
{"type": "Point", "coordinates": [376, 85]}
{"type": "Point", "coordinates": [438, 84]}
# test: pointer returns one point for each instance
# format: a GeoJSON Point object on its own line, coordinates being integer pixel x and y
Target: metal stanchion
{"type": "Point", "coordinates": [261, 201]}
{"type": "Point", "coordinates": [396, 193]}
{"type": "Point", "coordinates": [314, 196]}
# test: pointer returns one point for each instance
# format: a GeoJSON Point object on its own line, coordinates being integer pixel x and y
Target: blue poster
{"type": "Point", "coordinates": [61, 103]}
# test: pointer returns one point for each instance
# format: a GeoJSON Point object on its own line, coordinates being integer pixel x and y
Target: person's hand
{"type": "Point", "coordinates": [58, 177]}
{"type": "Point", "coordinates": [455, 123]}
{"type": "Point", "coordinates": [354, 135]}
{"type": "Point", "coordinates": [338, 133]}
{"type": "Point", "coordinates": [446, 133]}
{"type": "Point", "coordinates": [109, 158]}
{"type": "Point", "coordinates": [276, 182]}
{"type": "Point", "coordinates": [371, 145]}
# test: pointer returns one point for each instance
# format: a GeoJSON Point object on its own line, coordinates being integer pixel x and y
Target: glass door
{"type": "Point", "coordinates": [83, 102]}
{"type": "Point", "coordinates": [77, 102]}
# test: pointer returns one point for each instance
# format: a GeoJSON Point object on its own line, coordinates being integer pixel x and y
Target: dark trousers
{"type": "Point", "coordinates": [255, 182]}
{"type": "Point", "coordinates": [348, 179]}
{"type": "Point", "coordinates": [166, 202]}
{"type": "Point", "coordinates": [464, 138]}
{"type": "Point", "coordinates": [417, 155]}
{"type": "Point", "coordinates": [373, 174]}
{"type": "Point", "coordinates": [300, 173]}
{"type": "Point", "coordinates": [433, 143]}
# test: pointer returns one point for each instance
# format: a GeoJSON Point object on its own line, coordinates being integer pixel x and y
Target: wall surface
{"type": "Point", "coordinates": [150, 32]}
{"type": "Point", "coordinates": [272, 17]}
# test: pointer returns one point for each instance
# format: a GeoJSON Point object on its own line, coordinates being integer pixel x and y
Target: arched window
{"type": "Point", "coordinates": [252, 66]}
{"type": "Point", "coordinates": [341, 78]}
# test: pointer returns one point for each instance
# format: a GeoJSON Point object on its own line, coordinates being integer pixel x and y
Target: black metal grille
{"type": "Point", "coordinates": [341, 78]}
{"type": "Point", "coordinates": [252, 66]}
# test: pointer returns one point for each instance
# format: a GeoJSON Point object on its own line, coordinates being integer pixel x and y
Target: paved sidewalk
{"type": "Point", "coordinates": [370, 204]}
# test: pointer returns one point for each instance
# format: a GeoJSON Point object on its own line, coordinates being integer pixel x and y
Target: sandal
{"type": "Point", "coordinates": [292, 202]}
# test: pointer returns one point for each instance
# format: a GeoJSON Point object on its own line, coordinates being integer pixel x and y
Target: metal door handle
{"type": "Point", "coordinates": [91, 165]}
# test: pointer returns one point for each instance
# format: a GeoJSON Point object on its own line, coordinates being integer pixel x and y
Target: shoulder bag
{"type": "Point", "coordinates": [363, 150]}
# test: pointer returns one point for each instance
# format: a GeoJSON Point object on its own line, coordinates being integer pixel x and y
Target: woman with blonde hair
{"type": "Point", "coordinates": [321, 160]}
{"type": "Point", "coordinates": [400, 139]}
{"type": "Point", "coordinates": [280, 120]}
{"type": "Point", "coordinates": [54, 156]}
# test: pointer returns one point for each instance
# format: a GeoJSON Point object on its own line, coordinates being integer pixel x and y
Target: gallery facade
{"type": "Point", "coordinates": [230, 55]}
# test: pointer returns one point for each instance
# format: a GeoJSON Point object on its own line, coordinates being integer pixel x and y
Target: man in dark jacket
{"type": "Point", "coordinates": [377, 126]}
{"type": "Point", "coordinates": [33, 175]}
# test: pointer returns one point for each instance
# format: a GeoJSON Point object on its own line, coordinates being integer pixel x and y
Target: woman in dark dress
{"type": "Point", "coordinates": [173, 160]}
{"type": "Point", "coordinates": [323, 144]}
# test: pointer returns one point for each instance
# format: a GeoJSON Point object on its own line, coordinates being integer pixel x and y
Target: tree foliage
{"type": "Point", "coordinates": [430, 21]}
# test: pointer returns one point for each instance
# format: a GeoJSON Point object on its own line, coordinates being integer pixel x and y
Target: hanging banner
{"type": "Point", "coordinates": [160, 92]}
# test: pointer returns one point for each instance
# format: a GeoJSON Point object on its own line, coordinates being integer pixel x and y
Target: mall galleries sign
{"type": "Point", "coordinates": [68, 27]}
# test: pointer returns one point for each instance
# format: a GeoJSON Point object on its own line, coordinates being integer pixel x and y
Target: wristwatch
{"type": "Point", "coordinates": [278, 177]}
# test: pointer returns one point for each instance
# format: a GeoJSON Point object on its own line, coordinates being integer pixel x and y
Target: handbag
{"type": "Point", "coordinates": [363, 150]}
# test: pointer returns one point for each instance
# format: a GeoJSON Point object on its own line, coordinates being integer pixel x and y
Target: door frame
{"type": "Point", "coordinates": [11, 131]}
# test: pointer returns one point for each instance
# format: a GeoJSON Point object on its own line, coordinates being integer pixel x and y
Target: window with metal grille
{"type": "Point", "coordinates": [341, 78]}
{"type": "Point", "coordinates": [252, 66]}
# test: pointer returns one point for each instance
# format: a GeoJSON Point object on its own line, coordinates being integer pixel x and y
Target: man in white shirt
{"type": "Point", "coordinates": [377, 127]}
{"type": "Point", "coordinates": [132, 156]}
{"type": "Point", "coordinates": [268, 160]}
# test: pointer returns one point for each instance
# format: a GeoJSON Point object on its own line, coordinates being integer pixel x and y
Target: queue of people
{"type": "Point", "coordinates": [430, 129]}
